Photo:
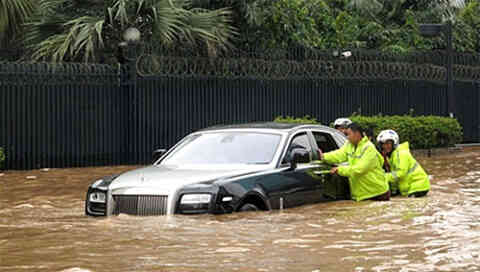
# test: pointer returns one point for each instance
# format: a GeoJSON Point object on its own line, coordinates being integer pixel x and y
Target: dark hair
{"type": "Point", "coordinates": [355, 127]}
{"type": "Point", "coordinates": [369, 132]}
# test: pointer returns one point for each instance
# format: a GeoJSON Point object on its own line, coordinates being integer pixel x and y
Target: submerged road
{"type": "Point", "coordinates": [43, 228]}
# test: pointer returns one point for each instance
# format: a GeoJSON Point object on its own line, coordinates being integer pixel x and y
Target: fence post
{"type": "Point", "coordinates": [451, 105]}
{"type": "Point", "coordinates": [132, 103]}
{"type": "Point", "coordinates": [433, 30]}
{"type": "Point", "coordinates": [128, 82]}
{"type": "Point", "coordinates": [477, 117]}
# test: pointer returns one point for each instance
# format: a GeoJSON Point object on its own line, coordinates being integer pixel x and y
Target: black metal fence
{"type": "Point", "coordinates": [91, 114]}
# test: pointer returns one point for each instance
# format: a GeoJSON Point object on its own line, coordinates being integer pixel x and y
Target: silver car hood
{"type": "Point", "coordinates": [163, 179]}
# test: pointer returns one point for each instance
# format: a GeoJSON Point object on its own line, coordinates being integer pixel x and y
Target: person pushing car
{"type": "Point", "coordinates": [406, 176]}
{"type": "Point", "coordinates": [365, 174]}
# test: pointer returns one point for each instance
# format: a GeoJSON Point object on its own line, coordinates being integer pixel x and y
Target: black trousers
{"type": "Point", "coordinates": [382, 197]}
{"type": "Point", "coordinates": [418, 194]}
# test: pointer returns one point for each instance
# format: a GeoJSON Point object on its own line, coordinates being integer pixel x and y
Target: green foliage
{"type": "Point", "coordinates": [73, 30]}
{"type": "Point", "coordinates": [81, 40]}
{"type": "Point", "coordinates": [387, 25]}
{"type": "Point", "coordinates": [465, 31]}
{"type": "Point", "coordinates": [346, 30]}
{"type": "Point", "coordinates": [60, 30]}
{"type": "Point", "coordinates": [422, 132]}
{"type": "Point", "coordinates": [470, 13]}
{"type": "Point", "coordinates": [287, 22]}
{"type": "Point", "coordinates": [307, 119]}
{"type": "Point", "coordinates": [56, 35]}
{"type": "Point", "coordinates": [2, 157]}
{"type": "Point", "coordinates": [13, 15]}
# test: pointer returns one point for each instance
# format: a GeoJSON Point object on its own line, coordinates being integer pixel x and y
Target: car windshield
{"type": "Point", "coordinates": [225, 148]}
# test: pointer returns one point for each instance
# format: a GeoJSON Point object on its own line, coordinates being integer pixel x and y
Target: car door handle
{"type": "Point", "coordinates": [321, 172]}
{"type": "Point", "coordinates": [294, 190]}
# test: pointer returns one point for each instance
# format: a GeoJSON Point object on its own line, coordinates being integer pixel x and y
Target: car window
{"type": "Point", "coordinates": [226, 148]}
{"type": "Point", "coordinates": [324, 141]}
{"type": "Point", "coordinates": [301, 140]}
{"type": "Point", "coordinates": [339, 138]}
{"type": "Point", "coordinates": [298, 140]}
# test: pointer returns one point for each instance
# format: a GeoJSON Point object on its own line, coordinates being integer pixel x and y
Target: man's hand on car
{"type": "Point", "coordinates": [334, 170]}
{"type": "Point", "coordinates": [320, 154]}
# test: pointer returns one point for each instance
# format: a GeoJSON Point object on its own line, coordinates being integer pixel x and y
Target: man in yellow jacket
{"type": "Point", "coordinates": [364, 170]}
{"type": "Point", "coordinates": [406, 176]}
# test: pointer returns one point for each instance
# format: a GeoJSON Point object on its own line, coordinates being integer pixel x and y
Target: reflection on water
{"type": "Point", "coordinates": [43, 228]}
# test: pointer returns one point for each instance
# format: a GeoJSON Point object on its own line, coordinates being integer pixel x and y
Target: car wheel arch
{"type": "Point", "coordinates": [256, 199]}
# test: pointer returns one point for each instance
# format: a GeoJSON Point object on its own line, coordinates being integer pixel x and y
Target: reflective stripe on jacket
{"type": "Point", "coordinates": [365, 173]}
{"type": "Point", "coordinates": [406, 174]}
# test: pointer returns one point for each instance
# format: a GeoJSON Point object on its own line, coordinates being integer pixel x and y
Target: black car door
{"type": "Point", "coordinates": [333, 186]}
{"type": "Point", "coordinates": [303, 184]}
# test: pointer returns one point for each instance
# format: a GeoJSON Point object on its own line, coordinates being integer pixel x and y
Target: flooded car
{"type": "Point", "coordinates": [225, 169]}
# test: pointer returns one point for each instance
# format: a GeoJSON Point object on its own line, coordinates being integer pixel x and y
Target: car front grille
{"type": "Point", "coordinates": [140, 204]}
{"type": "Point", "coordinates": [98, 208]}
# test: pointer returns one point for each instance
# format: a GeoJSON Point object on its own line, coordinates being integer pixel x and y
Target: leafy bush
{"type": "Point", "coordinates": [422, 132]}
{"type": "Point", "coordinates": [286, 22]}
{"type": "Point", "coordinates": [2, 157]}
{"type": "Point", "coordinates": [304, 120]}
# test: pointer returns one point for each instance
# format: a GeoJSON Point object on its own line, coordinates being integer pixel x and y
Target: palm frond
{"type": "Point", "coordinates": [81, 39]}
{"type": "Point", "coordinates": [170, 21]}
{"type": "Point", "coordinates": [37, 31]}
{"type": "Point", "coordinates": [253, 13]}
{"type": "Point", "coordinates": [460, 4]}
{"type": "Point", "coordinates": [46, 21]}
{"type": "Point", "coordinates": [175, 20]}
{"type": "Point", "coordinates": [119, 12]}
{"type": "Point", "coordinates": [13, 15]}
{"type": "Point", "coordinates": [51, 37]}
{"type": "Point", "coordinates": [449, 8]}
{"type": "Point", "coordinates": [213, 27]}
{"type": "Point", "coordinates": [49, 7]}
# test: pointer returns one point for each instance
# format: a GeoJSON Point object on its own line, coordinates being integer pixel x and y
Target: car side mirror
{"type": "Point", "coordinates": [299, 155]}
{"type": "Point", "coordinates": [158, 153]}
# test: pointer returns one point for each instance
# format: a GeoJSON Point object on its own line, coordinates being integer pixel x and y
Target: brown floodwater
{"type": "Point", "coordinates": [43, 228]}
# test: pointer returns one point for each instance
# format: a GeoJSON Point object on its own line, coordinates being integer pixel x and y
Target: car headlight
{"type": "Point", "coordinates": [195, 199]}
{"type": "Point", "coordinates": [96, 183]}
{"type": "Point", "coordinates": [97, 197]}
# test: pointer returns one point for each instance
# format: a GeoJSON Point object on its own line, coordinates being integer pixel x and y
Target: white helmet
{"type": "Point", "coordinates": [342, 122]}
{"type": "Point", "coordinates": [388, 134]}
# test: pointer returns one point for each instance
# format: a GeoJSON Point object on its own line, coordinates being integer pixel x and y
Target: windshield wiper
{"type": "Point", "coordinates": [258, 162]}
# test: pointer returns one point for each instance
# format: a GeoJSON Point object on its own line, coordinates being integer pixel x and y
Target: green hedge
{"type": "Point", "coordinates": [2, 157]}
{"type": "Point", "coordinates": [422, 132]}
{"type": "Point", "coordinates": [302, 120]}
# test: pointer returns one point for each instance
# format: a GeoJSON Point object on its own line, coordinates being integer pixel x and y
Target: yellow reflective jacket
{"type": "Point", "coordinates": [365, 173]}
{"type": "Point", "coordinates": [406, 173]}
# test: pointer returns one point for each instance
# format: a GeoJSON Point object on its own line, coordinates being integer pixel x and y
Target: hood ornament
{"type": "Point", "coordinates": [142, 178]}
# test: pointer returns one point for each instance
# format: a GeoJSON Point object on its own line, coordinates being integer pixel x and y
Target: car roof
{"type": "Point", "coordinates": [289, 127]}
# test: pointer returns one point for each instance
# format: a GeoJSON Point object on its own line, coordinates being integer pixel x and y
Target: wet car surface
{"type": "Point", "coordinates": [43, 228]}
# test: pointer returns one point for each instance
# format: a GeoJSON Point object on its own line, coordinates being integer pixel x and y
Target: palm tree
{"type": "Point", "coordinates": [53, 37]}
{"type": "Point", "coordinates": [13, 15]}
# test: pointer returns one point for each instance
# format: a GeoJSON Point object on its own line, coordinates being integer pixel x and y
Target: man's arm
{"type": "Point", "coordinates": [337, 156]}
{"type": "Point", "coordinates": [400, 169]}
